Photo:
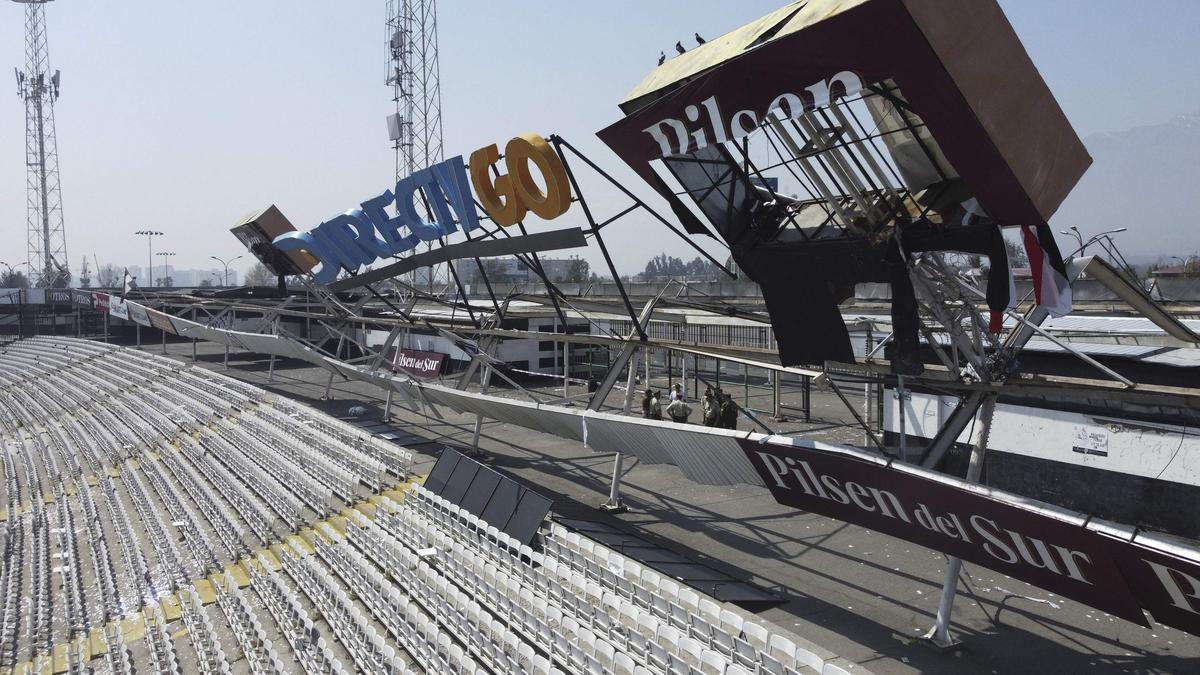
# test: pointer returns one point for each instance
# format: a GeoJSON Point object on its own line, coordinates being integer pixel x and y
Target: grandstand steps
{"type": "Point", "coordinates": [215, 528]}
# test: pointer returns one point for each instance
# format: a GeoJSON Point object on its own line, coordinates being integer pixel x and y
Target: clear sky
{"type": "Point", "coordinates": [182, 117]}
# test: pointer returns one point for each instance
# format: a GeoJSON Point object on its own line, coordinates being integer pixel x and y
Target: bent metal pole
{"type": "Point", "coordinates": [939, 635]}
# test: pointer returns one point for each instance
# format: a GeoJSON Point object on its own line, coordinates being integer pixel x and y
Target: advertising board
{"type": "Point", "coordinates": [1048, 548]}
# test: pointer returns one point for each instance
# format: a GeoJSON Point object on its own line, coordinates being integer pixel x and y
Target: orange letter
{"type": "Point", "coordinates": [504, 212]}
{"type": "Point", "coordinates": [519, 152]}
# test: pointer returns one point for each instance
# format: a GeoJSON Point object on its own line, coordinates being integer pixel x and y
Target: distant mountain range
{"type": "Point", "coordinates": [1147, 179]}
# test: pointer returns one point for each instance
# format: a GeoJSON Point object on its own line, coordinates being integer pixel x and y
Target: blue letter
{"type": "Point", "coordinates": [388, 226]}
{"type": "Point", "coordinates": [452, 179]}
{"type": "Point", "coordinates": [305, 241]}
{"type": "Point", "coordinates": [406, 188]}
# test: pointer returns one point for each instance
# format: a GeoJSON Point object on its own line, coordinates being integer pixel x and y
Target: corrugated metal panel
{"type": "Point", "coordinates": [705, 457]}
{"type": "Point", "coordinates": [615, 435]}
{"type": "Point", "coordinates": [1109, 324]}
{"type": "Point", "coordinates": [562, 423]}
{"type": "Point", "coordinates": [1182, 358]}
{"type": "Point", "coordinates": [1093, 349]}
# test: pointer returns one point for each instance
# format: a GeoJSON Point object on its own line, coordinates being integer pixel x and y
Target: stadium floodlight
{"type": "Point", "coordinates": [226, 264]}
{"type": "Point", "coordinates": [165, 256]}
{"type": "Point", "coordinates": [150, 235]}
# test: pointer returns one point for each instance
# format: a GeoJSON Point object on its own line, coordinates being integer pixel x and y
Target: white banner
{"type": "Point", "coordinates": [137, 313]}
{"type": "Point", "coordinates": [118, 307]}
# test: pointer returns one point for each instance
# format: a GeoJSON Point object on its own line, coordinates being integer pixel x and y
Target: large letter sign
{"type": "Point", "coordinates": [509, 198]}
{"type": "Point", "coordinates": [349, 240]}
{"type": "Point", "coordinates": [361, 236]}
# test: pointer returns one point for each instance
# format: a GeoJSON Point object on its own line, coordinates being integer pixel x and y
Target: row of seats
{"type": "Point", "coordinates": [40, 636]}
{"type": "Point", "coordinates": [366, 470]}
{"type": "Point", "coordinates": [278, 496]}
{"type": "Point", "coordinates": [481, 633]}
{"type": "Point", "coordinates": [210, 657]}
{"type": "Point", "coordinates": [251, 510]}
{"type": "Point", "coordinates": [171, 561]}
{"type": "Point", "coordinates": [261, 656]}
{"type": "Point", "coordinates": [573, 641]}
{"type": "Point", "coordinates": [105, 575]}
{"type": "Point", "coordinates": [366, 646]}
{"type": "Point", "coordinates": [137, 571]}
{"type": "Point", "coordinates": [395, 460]}
{"type": "Point", "coordinates": [115, 419]}
{"type": "Point", "coordinates": [697, 617]}
{"type": "Point", "coordinates": [185, 520]}
{"type": "Point", "coordinates": [214, 469]}
{"type": "Point", "coordinates": [228, 530]}
{"type": "Point", "coordinates": [338, 480]}
{"type": "Point", "coordinates": [12, 573]}
{"type": "Point", "coordinates": [63, 412]}
{"type": "Point", "coordinates": [158, 643]}
{"type": "Point", "coordinates": [408, 600]}
{"type": "Point", "coordinates": [293, 620]}
{"type": "Point", "coordinates": [72, 574]}
{"type": "Point", "coordinates": [584, 577]}
{"type": "Point", "coordinates": [317, 496]}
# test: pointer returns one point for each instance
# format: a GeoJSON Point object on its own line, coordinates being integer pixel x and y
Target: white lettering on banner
{"type": "Point", "coordinates": [1005, 545]}
{"type": "Point", "coordinates": [673, 137]}
{"type": "Point", "coordinates": [885, 501]}
{"type": "Point", "coordinates": [1170, 579]}
{"type": "Point", "coordinates": [418, 364]}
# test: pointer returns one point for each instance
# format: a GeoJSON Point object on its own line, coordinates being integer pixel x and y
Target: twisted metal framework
{"type": "Point", "coordinates": [415, 79]}
{"type": "Point", "coordinates": [46, 248]}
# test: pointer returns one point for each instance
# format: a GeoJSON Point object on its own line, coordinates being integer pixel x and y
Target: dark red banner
{"type": "Point", "coordinates": [1166, 585]}
{"type": "Point", "coordinates": [1057, 553]}
{"type": "Point", "coordinates": [981, 97]}
{"type": "Point", "coordinates": [425, 365]}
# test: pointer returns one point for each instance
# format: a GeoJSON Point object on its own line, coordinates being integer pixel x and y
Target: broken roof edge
{"type": "Point", "coordinates": [678, 70]}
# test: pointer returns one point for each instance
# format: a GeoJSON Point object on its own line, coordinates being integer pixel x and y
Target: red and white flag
{"type": "Point", "coordinates": [1050, 284]}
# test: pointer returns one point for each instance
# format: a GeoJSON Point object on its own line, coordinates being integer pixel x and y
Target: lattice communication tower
{"type": "Point", "coordinates": [415, 128]}
{"type": "Point", "coordinates": [46, 248]}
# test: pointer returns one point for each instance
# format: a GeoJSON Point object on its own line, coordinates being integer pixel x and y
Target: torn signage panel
{"type": "Point", "coordinates": [957, 68]}
{"type": "Point", "coordinates": [899, 126]}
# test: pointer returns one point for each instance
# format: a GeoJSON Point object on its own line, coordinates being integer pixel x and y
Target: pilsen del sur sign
{"type": "Point", "coordinates": [361, 236]}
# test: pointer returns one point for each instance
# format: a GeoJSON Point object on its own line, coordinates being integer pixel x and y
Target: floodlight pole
{"type": "Point", "coordinates": [166, 255]}
{"type": "Point", "coordinates": [149, 235]}
{"type": "Point", "coordinates": [225, 282]}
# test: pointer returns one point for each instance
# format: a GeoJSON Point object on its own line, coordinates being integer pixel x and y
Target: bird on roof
{"type": "Point", "coordinates": [662, 56]}
{"type": "Point", "coordinates": [679, 47]}
{"type": "Point", "coordinates": [699, 40]}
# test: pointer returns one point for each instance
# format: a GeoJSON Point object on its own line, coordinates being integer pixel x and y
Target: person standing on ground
{"type": "Point", "coordinates": [679, 411]}
{"type": "Point", "coordinates": [646, 396]}
{"type": "Point", "coordinates": [656, 406]}
{"type": "Point", "coordinates": [729, 412]}
{"type": "Point", "coordinates": [710, 407]}
{"type": "Point", "coordinates": [677, 393]}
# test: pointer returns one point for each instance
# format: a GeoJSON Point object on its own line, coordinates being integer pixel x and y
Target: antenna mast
{"type": "Point", "coordinates": [46, 249]}
{"type": "Point", "coordinates": [415, 128]}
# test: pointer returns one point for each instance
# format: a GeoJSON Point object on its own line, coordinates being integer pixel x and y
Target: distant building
{"type": "Point", "coordinates": [510, 270]}
{"type": "Point", "coordinates": [1191, 269]}
{"type": "Point", "coordinates": [181, 278]}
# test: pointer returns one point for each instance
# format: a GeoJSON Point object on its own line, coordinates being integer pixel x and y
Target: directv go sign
{"type": "Point", "coordinates": [363, 235]}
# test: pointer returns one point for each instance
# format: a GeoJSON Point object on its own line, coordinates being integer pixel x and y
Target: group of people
{"type": "Point", "coordinates": [718, 409]}
{"type": "Point", "coordinates": [677, 408]}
